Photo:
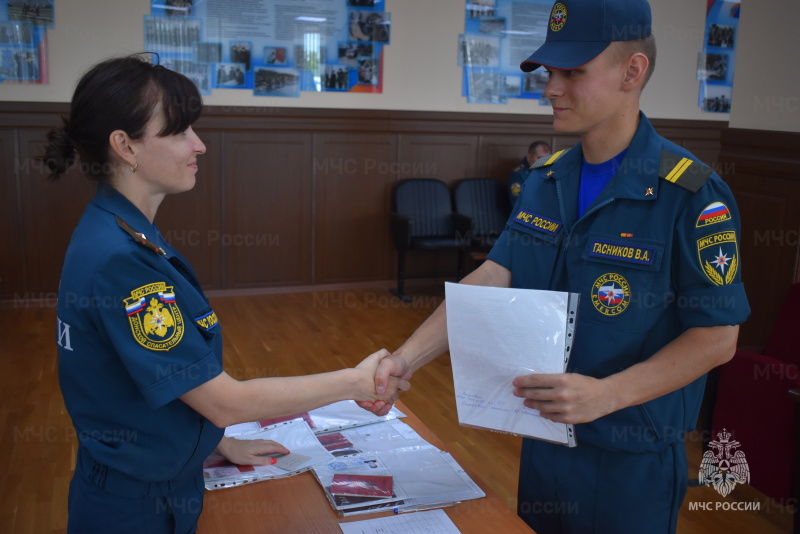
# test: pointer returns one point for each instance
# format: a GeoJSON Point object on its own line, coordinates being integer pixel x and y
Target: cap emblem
{"type": "Point", "coordinates": [558, 17]}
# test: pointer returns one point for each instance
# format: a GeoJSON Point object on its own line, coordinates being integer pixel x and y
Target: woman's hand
{"type": "Point", "coordinates": [250, 451]}
{"type": "Point", "coordinates": [367, 386]}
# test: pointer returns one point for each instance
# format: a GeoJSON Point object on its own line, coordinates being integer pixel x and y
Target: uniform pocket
{"type": "Point", "coordinates": [620, 276]}
{"type": "Point", "coordinates": [534, 242]}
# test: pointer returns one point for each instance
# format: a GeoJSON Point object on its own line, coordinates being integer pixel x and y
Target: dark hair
{"type": "Point", "coordinates": [119, 94]}
{"type": "Point", "coordinates": [535, 145]}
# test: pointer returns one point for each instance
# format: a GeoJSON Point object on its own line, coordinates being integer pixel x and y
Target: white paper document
{"type": "Point", "coordinates": [295, 435]}
{"type": "Point", "coordinates": [432, 522]}
{"type": "Point", "coordinates": [497, 334]}
{"type": "Point", "coordinates": [421, 478]}
{"type": "Point", "coordinates": [336, 416]}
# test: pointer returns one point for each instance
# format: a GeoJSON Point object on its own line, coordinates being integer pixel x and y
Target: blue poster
{"type": "Point", "coordinates": [23, 40]}
{"type": "Point", "coordinates": [498, 36]}
{"type": "Point", "coordinates": [272, 47]}
{"type": "Point", "coordinates": [715, 65]}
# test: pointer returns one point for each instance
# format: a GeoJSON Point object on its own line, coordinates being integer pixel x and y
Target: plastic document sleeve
{"type": "Point", "coordinates": [497, 334]}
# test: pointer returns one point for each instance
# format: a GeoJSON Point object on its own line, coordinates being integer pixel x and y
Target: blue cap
{"type": "Point", "coordinates": [579, 30]}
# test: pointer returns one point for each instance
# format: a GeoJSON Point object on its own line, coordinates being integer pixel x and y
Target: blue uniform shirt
{"type": "Point", "coordinates": [654, 255]}
{"type": "Point", "coordinates": [135, 332]}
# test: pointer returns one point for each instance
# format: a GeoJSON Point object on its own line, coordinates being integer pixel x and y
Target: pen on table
{"type": "Point", "coordinates": [421, 508]}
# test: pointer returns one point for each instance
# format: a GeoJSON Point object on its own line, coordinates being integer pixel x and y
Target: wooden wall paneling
{"type": "Point", "coordinates": [192, 221]}
{"type": "Point", "coordinates": [267, 209]}
{"type": "Point", "coordinates": [12, 267]}
{"type": "Point", "coordinates": [707, 151]}
{"type": "Point", "coordinates": [768, 257]}
{"type": "Point", "coordinates": [701, 138]}
{"type": "Point", "coordinates": [279, 227]}
{"type": "Point", "coordinates": [499, 154]}
{"type": "Point", "coordinates": [448, 158]}
{"type": "Point", "coordinates": [51, 211]}
{"type": "Point", "coordinates": [765, 179]}
{"type": "Point", "coordinates": [354, 175]}
{"type": "Point", "coordinates": [562, 142]}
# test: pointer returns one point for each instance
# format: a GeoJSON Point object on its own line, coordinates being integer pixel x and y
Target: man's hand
{"type": "Point", "coordinates": [384, 390]}
{"type": "Point", "coordinates": [566, 397]}
{"type": "Point", "coordinates": [390, 368]}
{"type": "Point", "coordinates": [250, 451]}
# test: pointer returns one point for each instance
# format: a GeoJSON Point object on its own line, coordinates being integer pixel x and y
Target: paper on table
{"type": "Point", "coordinates": [336, 416]}
{"type": "Point", "coordinates": [295, 435]}
{"type": "Point", "coordinates": [416, 523]}
{"type": "Point", "coordinates": [496, 334]}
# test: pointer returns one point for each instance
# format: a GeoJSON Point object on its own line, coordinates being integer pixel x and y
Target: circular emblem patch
{"type": "Point", "coordinates": [611, 294]}
{"type": "Point", "coordinates": [558, 17]}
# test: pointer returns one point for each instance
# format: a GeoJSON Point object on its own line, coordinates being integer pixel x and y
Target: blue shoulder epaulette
{"type": "Point", "coordinates": [682, 171]}
{"type": "Point", "coordinates": [544, 161]}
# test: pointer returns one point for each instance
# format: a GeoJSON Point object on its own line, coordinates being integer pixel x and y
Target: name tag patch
{"type": "Point", "coordinates": [207, 321]}
{"type": "Point", "coordinates": [623, 252]}
{"type": "Point", "coordinates": [537, 222]}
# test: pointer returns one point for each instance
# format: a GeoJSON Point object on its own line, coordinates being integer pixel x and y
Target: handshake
{"type": "Point", "coordinates": [381, 378]}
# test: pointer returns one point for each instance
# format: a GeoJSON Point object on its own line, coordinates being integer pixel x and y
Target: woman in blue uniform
{"type": "Point", "coordinates": [139, 345]}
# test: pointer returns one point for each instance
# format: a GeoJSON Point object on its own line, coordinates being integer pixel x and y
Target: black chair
{"type": "Point", "coordinates": [423, 219]}
{"type": "Point", "coordinates": [485, 202]}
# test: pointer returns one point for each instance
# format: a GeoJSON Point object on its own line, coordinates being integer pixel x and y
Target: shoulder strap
{"type": "Point", "coordinates": [139, 237]}
{"type": "Point", "coordinates": [544, 161]}
{"type": "Point", "coordinates": [682, 171]}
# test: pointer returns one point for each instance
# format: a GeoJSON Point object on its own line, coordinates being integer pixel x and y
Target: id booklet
{"type": "Point", "coordinates": [497, 334]}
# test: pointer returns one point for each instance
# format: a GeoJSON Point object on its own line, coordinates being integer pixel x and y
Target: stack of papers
{"type": "Point", "coordinates": [306, 451]}
{"type": "Point", "coordinates": [363, 462]}
{"type": "Point", "coordinates": [420, 478]}
{"type": "Point", "coordinates": [336, 416]}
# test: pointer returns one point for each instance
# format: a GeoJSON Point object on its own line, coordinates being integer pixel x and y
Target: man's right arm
{"type": "Point", "coordinates": [430, 339]}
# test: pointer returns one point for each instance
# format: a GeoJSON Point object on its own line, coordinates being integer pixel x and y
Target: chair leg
{"type": "Point", "coordinates": [401, 278]}
{"type": "Point", "coordinates": [461, 263]}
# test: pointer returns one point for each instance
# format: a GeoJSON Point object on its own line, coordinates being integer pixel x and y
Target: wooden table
{"type": "Point", "coordinates": [297, 505]}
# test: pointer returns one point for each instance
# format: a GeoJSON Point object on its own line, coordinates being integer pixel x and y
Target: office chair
{"type": "Point", "coordinates": [422, 218]}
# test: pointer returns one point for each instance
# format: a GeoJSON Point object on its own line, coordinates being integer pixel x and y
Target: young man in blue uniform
{"type": "Point", "coordinates": [520, 173]}
{"type": "Point", "coordinates": [648, 236]}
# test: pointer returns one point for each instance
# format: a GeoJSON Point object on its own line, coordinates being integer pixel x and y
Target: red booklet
{"type": "Point", "coordinates": [362, 485]}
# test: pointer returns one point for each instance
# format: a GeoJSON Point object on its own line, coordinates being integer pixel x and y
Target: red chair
{"type": "Point", "coordinates": [754, 404]}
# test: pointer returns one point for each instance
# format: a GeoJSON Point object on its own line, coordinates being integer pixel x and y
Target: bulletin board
{"type": "Point", "coordinates": [23, 40]}
{"type": "Point", "coordinates": [272, 47]}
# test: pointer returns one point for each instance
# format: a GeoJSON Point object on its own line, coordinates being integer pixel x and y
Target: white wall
{"type": "Point", "coordinates": [766, 95]}
{"type": "Point", "coordinates": [420, 64]}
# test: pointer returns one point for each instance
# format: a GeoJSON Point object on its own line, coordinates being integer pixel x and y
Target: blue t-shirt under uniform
{"type": "Point", "coordinates": [594, 179]}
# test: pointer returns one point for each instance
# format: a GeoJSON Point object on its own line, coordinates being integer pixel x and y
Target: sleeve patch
{"type": "Point", "coordinates": [714, 213]}
{"type": "Point", "coordinates": [155, 319]}
{"type": "Point", "coordinates": [718, 255]}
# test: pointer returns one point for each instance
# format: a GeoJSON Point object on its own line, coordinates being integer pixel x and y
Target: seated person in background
{"type": "Point", "coordinates": [538, 149]}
